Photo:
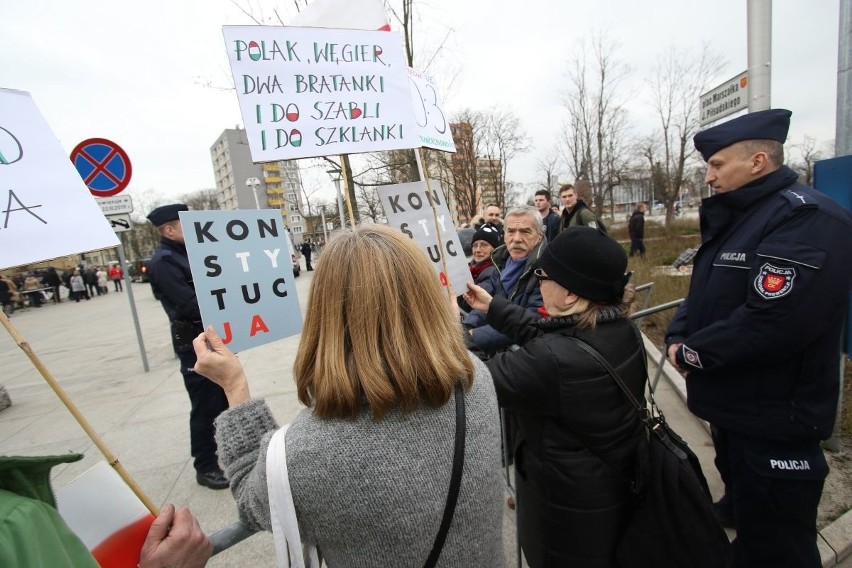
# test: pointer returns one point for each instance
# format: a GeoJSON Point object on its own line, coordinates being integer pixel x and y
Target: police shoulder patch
{"type": "Point", "coordinates": [690, 357]}
{"type": "Point", "coordinates": [774, 282]}
{"type": "Point", "coordinates": [798, 198]}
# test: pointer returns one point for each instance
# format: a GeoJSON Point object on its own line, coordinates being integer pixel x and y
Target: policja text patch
{"type": "Point", "coordinates": [774, 282]}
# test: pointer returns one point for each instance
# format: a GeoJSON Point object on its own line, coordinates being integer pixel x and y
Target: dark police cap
{"type": "Point", "coordinates": [770, 124]}
{"type": "Point", "coordinates": [166, 213]}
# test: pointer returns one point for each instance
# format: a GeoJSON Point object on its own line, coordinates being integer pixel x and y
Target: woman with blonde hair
{"type": "Point", "coordinates": [369, 460]}
{"type": "Point", "coordinates": [578, 436]}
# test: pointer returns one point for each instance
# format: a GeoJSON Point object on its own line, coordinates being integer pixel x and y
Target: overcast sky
{"type": "Point", "coordinates": [139, 73]}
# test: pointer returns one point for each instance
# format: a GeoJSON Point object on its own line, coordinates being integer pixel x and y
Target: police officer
{"type": "Point", "coordinates": [759, 335]}
{"type": "Point", "coordinates": [171, 281]}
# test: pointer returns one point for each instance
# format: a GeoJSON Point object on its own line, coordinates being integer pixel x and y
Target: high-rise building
{"type": "Point", "coordinates": [243, 184]}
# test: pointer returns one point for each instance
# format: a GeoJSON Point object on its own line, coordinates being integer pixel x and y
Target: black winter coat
{"type": "Point", "coordinates": [572, 506]}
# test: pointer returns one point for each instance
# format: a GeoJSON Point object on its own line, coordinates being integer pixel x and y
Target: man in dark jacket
{"type": "Point", "coordinates": [575, 212]}
{"type": "Point", "coordinates": [759, 335]}
{"type": "Point", "coordinates": [549, 219]}
{"type": "Point", "coordinates": [512, 276]}
{"type": "Point", "coordinates": [306, 251]}
{"type": "Point", "coordinates": [171, 281]}
{"type": "Point", "coordinates": [636, 230]}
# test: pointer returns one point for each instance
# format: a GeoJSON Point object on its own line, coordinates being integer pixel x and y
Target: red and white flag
{"type": "Point", "coordinates": [344, 14]}
{"type": "Point", "coordinates": [107, 516]}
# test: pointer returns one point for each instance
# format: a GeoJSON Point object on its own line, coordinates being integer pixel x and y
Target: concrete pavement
{"type": "Point", "coordinates": [91, 349]}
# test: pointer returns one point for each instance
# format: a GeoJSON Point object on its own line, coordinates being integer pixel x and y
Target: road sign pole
{"type": "Point", "coordinates": [759, 54]}
{"type": "Point", "coordinates": [129, 288]}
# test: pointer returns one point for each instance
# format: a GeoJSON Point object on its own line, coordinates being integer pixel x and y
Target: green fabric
{"type": "Point", "coordinates": [29, 476]}
{"type": "Point", "coordinates": [32, 533]}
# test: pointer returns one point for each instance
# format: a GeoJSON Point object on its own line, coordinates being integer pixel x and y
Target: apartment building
{"type": "Point", "coordinates": [243, 184]}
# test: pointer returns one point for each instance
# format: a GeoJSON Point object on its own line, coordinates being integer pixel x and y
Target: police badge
{"type": "Point", "coordinates": [774, 282]}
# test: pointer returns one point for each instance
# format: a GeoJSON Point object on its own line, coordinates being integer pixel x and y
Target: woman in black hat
{"type": "Point", "coordinates": [577, 434]}
{"type": "Point", "coordinates": [484, 241]}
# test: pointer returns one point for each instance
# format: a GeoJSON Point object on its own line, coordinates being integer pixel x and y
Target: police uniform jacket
{"type": "Point", "coordinates": [761, 325]}
{"type": "Point", "coordinates": [171, 280]}
{"type": "Point", "coordinates": [569, 411]}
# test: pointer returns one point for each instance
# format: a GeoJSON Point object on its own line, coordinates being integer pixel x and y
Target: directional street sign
{"type": "Point", "coordinates": [119, 223]}
{"type": "Point", "coordinates": [115, 204]}
{"type": "Point", "coordinates": [103, 165]}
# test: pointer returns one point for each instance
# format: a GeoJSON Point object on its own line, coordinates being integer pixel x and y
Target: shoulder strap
{"type": "Point", "coordinates": [455, 480]}
{"type": "Point", "coordinates": [282, 510]}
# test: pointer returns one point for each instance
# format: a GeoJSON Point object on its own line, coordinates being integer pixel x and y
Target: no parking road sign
{"type": "Point", "coordinates": [103, 165]}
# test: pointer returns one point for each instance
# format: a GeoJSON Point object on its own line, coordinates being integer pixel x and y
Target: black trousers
{"type": "Point", "coordinates": [208, 400]}
{"type": "Point", "coordinates": [775, 488]}
{"type": "Point", "coordinates": [637, 245]}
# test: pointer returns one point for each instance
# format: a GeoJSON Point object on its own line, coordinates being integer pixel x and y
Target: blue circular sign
{"type": "Point", "coordinates": [103, 165]}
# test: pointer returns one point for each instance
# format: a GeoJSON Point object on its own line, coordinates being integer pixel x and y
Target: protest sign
{"type": "Point", "coordinates": [429, 112]}
{"type": "Point", "coordinates": [105, 514]}
{"type": "Point", "coordinates": [407, 208]}
{"type": "Point", "coordinates": [46, 211]}
{"type": "Point", "coordinates": [307, 92]}
{"type": "Point", "coordinates": [243, 275]}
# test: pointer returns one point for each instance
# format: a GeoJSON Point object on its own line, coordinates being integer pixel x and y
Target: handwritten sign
{"type": "Point", "coordinates": [46, 210]}
{"type": "Point", "coordinates": [407, 207]}
{"type": "Point", "coordinates": [429, 112]}
{"type": "Point", "coordinates": [307, 92]}
{"type": "Point", "coordinates": [243, 275]}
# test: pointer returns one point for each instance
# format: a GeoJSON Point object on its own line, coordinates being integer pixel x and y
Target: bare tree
{"type": "Point", "coordinates": [547, 168]}
{"type": "Point", "coordinates": [808, 154]}
{"type": "Point", "coordinates": [594, 143]}
{"type": "Point", "coordinates": [503, 140]}
{"type": "Point", "coordinates": [201, 200]}
{"type": "Point", "coordinates": [679, 79]}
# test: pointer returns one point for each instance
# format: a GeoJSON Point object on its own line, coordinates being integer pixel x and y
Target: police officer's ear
{"type": "Point", "coordinates": [759, 163]}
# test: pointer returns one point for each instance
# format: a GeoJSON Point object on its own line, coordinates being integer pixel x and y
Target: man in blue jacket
{"type": "Point", "coordinates": [512, 276]}
{"type": "Point", "coordinates": [759, 335]}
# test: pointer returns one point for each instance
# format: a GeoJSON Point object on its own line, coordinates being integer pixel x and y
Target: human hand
{"type": "Point", "coordinates": [175, 539]}
{"type": "Point", "coordinates": [672, 355]}
{"type": "Point", "coordinates": [216, 362]}
{"type": "Point", "coordinates": [477, 298]}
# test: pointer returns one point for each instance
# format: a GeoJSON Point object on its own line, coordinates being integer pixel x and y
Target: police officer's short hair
{"type": "Point", "coordinates": [774, 150]}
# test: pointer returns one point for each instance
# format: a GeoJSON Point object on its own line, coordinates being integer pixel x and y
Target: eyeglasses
{"type": "Point", "coordinates": [541, 275]}
{"type": "Point", "coordinates": [480, 244]}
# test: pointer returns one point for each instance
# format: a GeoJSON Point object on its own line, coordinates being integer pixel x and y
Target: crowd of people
{"type": "Point", "coordinates": [35, 288]}
{"type": "Point", "coordinates": [402, 387]}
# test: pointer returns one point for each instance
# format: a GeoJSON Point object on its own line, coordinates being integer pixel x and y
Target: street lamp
{"type": "Point", "coordinates": [335, 177]}
{"type": "Point", "coordinates": [253, 183]}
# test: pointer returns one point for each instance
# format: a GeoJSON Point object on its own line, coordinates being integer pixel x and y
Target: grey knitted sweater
{"type": "Point", "coordinates": [371, 494]}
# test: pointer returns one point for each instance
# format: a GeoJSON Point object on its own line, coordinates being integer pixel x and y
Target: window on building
{"type": "Point", "coordinates": [295, 218]}
{"type": "Point", "coordinates": [297, 229]}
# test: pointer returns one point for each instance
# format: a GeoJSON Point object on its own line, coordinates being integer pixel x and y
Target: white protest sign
{"type": "Point", "coordinates": [243, 275]}
{"type": "Point", "coordinates": [429, 112]}
{"type": "Point", "coordinates": [307, 92]}
{"type": "Point", "coordinates": [407, 208]}
{"type": "Point", "coordinates": [46, 210]}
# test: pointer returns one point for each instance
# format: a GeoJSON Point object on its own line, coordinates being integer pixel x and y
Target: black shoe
{"type": "Point", "coordinates": [724, 513]}
{"type": "Point", "coordinates": [213, 479]}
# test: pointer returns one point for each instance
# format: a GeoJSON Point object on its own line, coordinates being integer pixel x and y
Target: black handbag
{"type": "Point", "coordinates": [673, 524]}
